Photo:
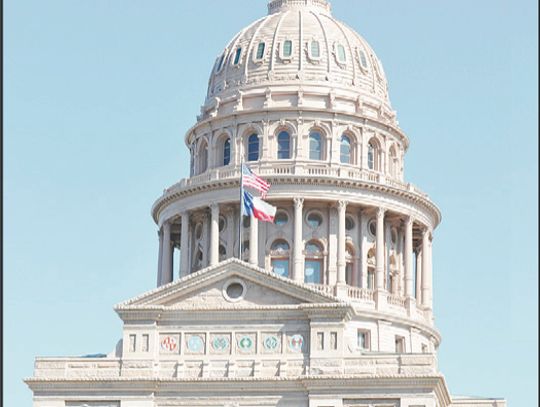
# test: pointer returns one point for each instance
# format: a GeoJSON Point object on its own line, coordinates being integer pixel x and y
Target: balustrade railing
{"type": "Point", "coordinates": [395, 300]}
{"type": "Point", "coordinates": [303, 168]}
{"type": "Point", "coordinates": [360, 293]}
{"type": "Point", "coordinates": [328, 289]}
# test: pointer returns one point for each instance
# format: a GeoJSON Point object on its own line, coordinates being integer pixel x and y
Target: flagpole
{"type": "Point", "coordinates": [241, 218]}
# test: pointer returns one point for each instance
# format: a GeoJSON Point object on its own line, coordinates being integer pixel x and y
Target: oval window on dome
{"type": "Point", "coordinates": [315, 50]}
{"type": "Point", "coordinates": [220, 62]}
{"type": "Point", "coordinates": [341, 54]}
{"type": "Point", "coordinates": [237, 56]}
{"type": "Point", "coordinates": [363, 59]}
{"type": "Point", "coordinates": [287, 48]}
{"type": "Point", "coordinates": [260, 51]}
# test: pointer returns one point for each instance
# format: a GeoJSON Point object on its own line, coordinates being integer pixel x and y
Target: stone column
{"type": "Point", "coordinates": [407, 257]}
{"type": "Point", "coordinates": [214, 234]}
{"type": "Point", "coordinates": [160, 256]}
{"type": "Point", "coordinates": [379, 254]}
{"type": "Point", "coordinates": [419, 276]}
{"type": "Point", "coordinates": [167, 265]}
{"type": "Point", "coordinates": [362, 222]}
{"type": "Point", "coordinates": [184, 245]}
{"type": "Point", "coordinates": [298, 261]}
{"type": "Point", "coordinates": [253, 240]}
{"type": "Point", "coordinates": [341, 262]}
{"type": "Point", "coordinates": [426, 270]}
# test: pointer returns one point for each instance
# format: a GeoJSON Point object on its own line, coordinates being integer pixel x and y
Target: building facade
{"type": "Point", "coordinates": [330, 305]}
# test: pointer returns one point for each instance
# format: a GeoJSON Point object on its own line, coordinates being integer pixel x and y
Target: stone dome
{"type": "Point", "coordinates": [299, 44]}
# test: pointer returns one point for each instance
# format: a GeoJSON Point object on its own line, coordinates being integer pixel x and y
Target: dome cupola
{"type": "Point", "coordinates": [276, 6]}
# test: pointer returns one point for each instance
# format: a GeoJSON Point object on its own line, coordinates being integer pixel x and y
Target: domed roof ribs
{"type": "Point", "coordinates": [350, 49]}
{"type": "Point", "coordinates": [367, 49]}
{"type": "Point", "coordinates": [249, 50]}
{"type": "Point", "coordinates": [274, 41]}
{"type": "Point", "coordinates": [233, 44]}
{"type": "Point", "coordinates": [328, 53]}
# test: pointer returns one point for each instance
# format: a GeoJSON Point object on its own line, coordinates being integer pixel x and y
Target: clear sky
{"type": "Point", "coordinates": [98, 96]}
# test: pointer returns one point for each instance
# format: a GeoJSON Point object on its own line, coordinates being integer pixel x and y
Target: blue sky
{"type": "Point", "coordinates": [98, 95]}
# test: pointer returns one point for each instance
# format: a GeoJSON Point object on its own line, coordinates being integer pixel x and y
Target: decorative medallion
{"type": "Point", "coordinates": [246, 343]}
{"type": "Point", "coordinates": [169, 343]}
{"type": "Point", "coordinates": [195, 344]}
{"type": "Point", "coordinates": [271, 343]}
{"type": "Point", "coordinates": [221, 343]}
{"type": "Point", "coordinates": [296, 342]}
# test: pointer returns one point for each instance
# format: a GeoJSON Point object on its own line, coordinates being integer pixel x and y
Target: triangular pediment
{"type": "Point", "coordinates": [211, 288]}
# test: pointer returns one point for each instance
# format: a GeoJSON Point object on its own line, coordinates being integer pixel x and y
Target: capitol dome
{"type": "Point", "coordinates": [300, 45]}
{"type": "Point", "coordinates": [301, 99]}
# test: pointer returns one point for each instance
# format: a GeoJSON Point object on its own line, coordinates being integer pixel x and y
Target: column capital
{"type": "Point", "coordinates": [408, 220]}
{"type": "Point", "coordinates": [214, 208]}
{"type": "Point", "coordinates": [380, 211]}
{"type": "Point", "coordinates": [342, 204]}
{"type": "Point", "coordinates": [298, 202]}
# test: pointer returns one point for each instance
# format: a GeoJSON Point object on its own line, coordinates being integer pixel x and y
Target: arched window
{"type": "Point", "coordinates": [363, 59]}
{"type": "Point", "coordinates": [284, 146]}
{"type": "Point", "coordinates": [245, 250]}
{"type": "Point", "coordinates": [222, 252]}
{"type": "Point", "coordinates": [203, 157]}
{"type": "Point", "coordinates": [253, 147]}
{"type": "Point", "coordinates": [279, 255]}
{"type": "Point", "coordinates": [349, 265]}
{"type": "Point", "coordinates": [345, 150]}
{"type": "Point", "coordinates": [373, 156]}
{"type": "Point", "coordinates": [370, 282]}
{"type": "Point", "coordinates": [227, 151]}
{"type": "Point", "coordinates": [313, 265]}
{"type": "Point", "coordinates": [198, 260]}
{"type": "Point", "coordinates": [393, 162]}
{"type": "Point", "coordinates": [315, 146]}
{"type": "Point", "coordinates": [393, 276]}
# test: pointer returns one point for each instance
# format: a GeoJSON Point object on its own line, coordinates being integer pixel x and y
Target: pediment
{"type": "Point", "coordinates": [211, 288]}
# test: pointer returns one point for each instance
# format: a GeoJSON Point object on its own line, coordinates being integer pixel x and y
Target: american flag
{"type": "Point", "coordinates": [249, 179]}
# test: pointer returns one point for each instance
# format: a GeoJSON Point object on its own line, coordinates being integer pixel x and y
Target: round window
{"type": "Point", "coordinates": [222, 223]}
{"type": "Point", "coordinates": [281, 218]}
{"type": "Point", "coordinates": [234, 290]}
{"type": "Point", "coordinates": [314, 220]}
{"type": "Point", "coordinates": [372, 226]}
{"type": "Point", "coordinates": [349, 223]}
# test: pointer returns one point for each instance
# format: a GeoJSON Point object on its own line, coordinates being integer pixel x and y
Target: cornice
{"type": "Point", "coordinates": [413, 197]}
{"type": "Point", "coordinates": [256, 384]}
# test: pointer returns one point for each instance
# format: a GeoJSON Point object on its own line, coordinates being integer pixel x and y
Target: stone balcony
{"type": "Point", "coordinates": [371, 300]}
{"type": "Point", "coordinates": [280, 171]}
{"type": "Point", "coordinates": [297, 168]}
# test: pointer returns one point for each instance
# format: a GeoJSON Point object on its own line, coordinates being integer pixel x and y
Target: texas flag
{"type": "Point", "coordinates": [258, 208]}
